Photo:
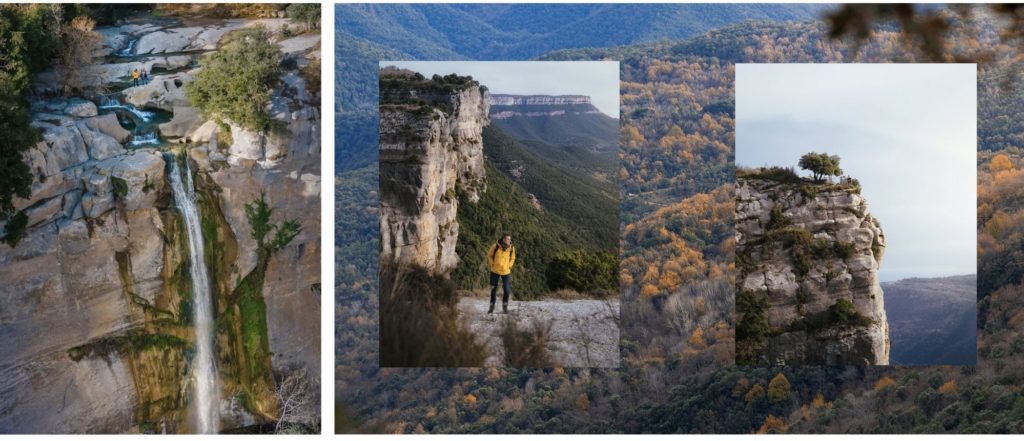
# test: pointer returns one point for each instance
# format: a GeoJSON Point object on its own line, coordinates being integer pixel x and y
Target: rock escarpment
{"type": "Point", "coordinates": [96, 298]}
{"type": "Point", "coordinates": [508, 106]}
{"type": "Point", "coordinates": [431, 151]}
{"type": "Point", "coordinates": [807, 256]}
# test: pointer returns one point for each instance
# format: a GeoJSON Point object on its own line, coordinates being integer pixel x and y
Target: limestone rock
{"type": "Point", "coordinates": [162, 92]}
{"type": "Point", "coordinates": [186, 120]}
{"type": "Point", "coordinates": [143, 172]}
{"type": "Point", "coordinates": [427, 155]}
{"type": "Point", "coordinates": [107, 124]}
{"type": "Point", "coordinates": [80, 108]}
{"type": "Point", "coordinates": [802, 249]}
{"type": "Point", "coordinates": [101, 146]}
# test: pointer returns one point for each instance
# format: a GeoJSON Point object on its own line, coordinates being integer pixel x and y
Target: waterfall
{"type": "Point", "coordinates": [127, 52]}
{"type": "Point", "coordinates": [144, 138]}
{"type": "Point", "coordinates": [111, 102]}
{"type": "Point", "coordinates": [206, 395]}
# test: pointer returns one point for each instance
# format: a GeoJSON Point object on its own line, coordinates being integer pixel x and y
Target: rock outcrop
{"type": "Point", "coordinates": [95, 269]}
{"type": "Point", "coordinates": [431, 152]}
{"type": "Point", "coordinates": [95, 300]}
{"type": "Point", "coordinates": [807, 256]}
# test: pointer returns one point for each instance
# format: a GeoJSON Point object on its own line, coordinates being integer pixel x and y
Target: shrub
{"type": "Point", "coordinates": [120, 187]}
{"type": "Point", "coordinates": [752, 326]}
{"type": "Point", "coordinates": [15, 227]}
{"type": "Point", "coordinates": [526, 347]}
{"type": "Point", "coordinates": [778, 389]}
{"type": "Point", "coordinates": [842, 311]}
{"type": "Point", "coordinates": [777, 219]}
{"type": "Point", "coordinates": [308, 14]}
{"type": "Point", "coordinates": [583, 271]}
{"type": "Point", "coordinates": [236, 82]}
{"type": "Point", "coordinates": [419, 321]}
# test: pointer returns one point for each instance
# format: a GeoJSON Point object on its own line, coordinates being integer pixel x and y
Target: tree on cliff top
{"type": "Point", "coordinates": [821, 165]}
{"type": "Point", "coordinates": [237, 81]}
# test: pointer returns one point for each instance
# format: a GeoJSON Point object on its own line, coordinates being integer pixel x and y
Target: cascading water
{"type": "Point", "coordinates": [142, 123]}
{"type": "Point", "coordinates": [206, 393]}
{"type": "Point", "coordinates": [127, 52]}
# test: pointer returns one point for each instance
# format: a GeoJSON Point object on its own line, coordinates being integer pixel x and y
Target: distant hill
{"type": "Point", "coordinates": [367, 33]}
{"type": "Point", "coordinates": [495, 32]}
{"type": "Point", "coordinates": [557, 120]}
{"type": "Point", "coordinates": [932, 321]}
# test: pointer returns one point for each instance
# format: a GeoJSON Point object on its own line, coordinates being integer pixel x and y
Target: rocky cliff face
{"type": "Point", "coordinates": [95, 301]}
{"type": "Point", "coordinates": [807, 289]}
{"type": "Point", "coordinates": [544, 100]}
{"type": "Point", "coordinates": [509, 106]}
{"type": "Point", "coordinates": [431, 150]}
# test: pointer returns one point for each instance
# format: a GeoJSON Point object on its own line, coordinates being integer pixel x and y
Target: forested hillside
{"type": "Point", "coordinates": [677, 373]}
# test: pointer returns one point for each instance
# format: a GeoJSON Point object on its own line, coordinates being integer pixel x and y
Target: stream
{"type": "Point", "coordinates": [206, 394]}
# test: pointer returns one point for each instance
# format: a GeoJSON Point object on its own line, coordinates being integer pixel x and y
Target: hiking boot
{"type": "Point", "coordinates": [504, 308]}
{"type": "Point", "coordinates": [491, 311]}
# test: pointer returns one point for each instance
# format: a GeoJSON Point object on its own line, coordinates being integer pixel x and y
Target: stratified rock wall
{"type": "Point", "coordinates": [801, 249]}
{"type": "Point", "coordinates": [431, 151]}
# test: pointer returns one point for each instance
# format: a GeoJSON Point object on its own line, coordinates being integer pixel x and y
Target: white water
{"type": "Point", "coordinates": [127, 52]}
{"type": "Point", "coordinates": [150, 138]}
{"type": "Point", "coordinates": [107, 102]}
{"type": "Point", "coordinates": [206, 395]}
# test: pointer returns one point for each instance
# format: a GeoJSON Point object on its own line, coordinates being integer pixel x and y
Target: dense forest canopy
{"type": "Point", "coordinates": [677, 342]}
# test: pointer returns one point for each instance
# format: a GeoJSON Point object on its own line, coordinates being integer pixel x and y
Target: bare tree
{"type": "Point", "coordinates": [79, 42]}
{"type": "Point", "coordinates": [297, 393]}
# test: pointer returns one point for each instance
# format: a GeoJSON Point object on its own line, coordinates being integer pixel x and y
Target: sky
{"type": "Point", "coordinates": [907, 132]}
{"type": "Point", "coordinates": [597, 79]}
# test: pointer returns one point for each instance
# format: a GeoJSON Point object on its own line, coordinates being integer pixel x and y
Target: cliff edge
{"type": "Point", "coordinates": [431, 151]}
{"type": "Point", "coordinates": [807, 256]}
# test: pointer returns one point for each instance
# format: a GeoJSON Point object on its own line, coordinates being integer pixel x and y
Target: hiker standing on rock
{"type": "Point", "coordinates": [135, 77]}
{"type": "Point", "coordinates": [500, 259]}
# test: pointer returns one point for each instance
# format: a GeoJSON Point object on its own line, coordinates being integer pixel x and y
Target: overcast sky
{"type": "Point", "coordinates": [906, 131]}
{"type": "Point", "coordinates": [597, 79]}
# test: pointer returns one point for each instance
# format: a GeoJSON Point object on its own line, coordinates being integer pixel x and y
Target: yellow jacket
{"type": "Point", "coordinates": [500, 260]}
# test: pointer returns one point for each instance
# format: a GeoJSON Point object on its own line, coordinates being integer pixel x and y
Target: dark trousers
{"type": "Point", "coordinates": [507, 286]}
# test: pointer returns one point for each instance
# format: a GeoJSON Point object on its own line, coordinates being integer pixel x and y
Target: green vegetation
{"type": "Point", "coordinates": [258, 214]}
{"type": "Point", "coordinates": [584, 271]}
{"type": "Point", "coordinates": [663, 385]}
{"type": "Point", "coordinates": [572, 217]}
{"type": "Point", "coordinates": [15, 228]}
{"type": "Point", "coordinates": [120, 187]}
{"type": "Point", "coordinates": [418, 93]}
{"type": "Point", "coordinates": [236, 82]}
{"type": "Point", "coordinates": [308, 14]}
{"type": "Point", "coordinates": [130, 343]}
{"type": "Point", "coordinates": [27, 36]}
{"type": "Point", "coordinates": [821, 165]}
{"type": "Point", "coordinates": [752, 326]}
{"type": "Point", "coordinates": [842, 311]}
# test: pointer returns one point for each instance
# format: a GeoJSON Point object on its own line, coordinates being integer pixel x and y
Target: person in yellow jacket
{"type": "Point", "coordinates": [135, 77]}
{"type": "Point", "coordinates": [500, 259]}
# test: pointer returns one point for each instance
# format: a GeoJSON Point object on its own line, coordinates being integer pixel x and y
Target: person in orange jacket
{"type": "Point", "coordinates": [500, 259]}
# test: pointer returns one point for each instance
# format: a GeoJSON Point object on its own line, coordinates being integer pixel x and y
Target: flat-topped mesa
{"type": "Point", "coordinates": [508, 106]}
{"type": "Point", "coordinates": [808, 256]}
{"type": "Point", "coordinates": [431, 152]}
{"type": "Point", "coordinates": [541, 100]}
